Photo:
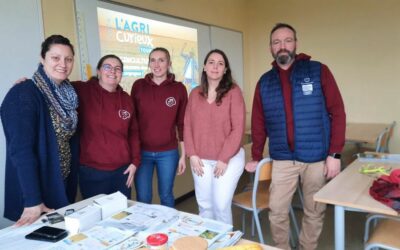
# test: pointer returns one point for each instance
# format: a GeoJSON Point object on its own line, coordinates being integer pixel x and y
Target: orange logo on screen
{"type": "Point", "coordinates": [170, 101]}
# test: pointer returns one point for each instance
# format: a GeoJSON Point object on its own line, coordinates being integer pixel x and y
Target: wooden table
{"type": "Point", "coordinates": [364, 132]}
{"type": "Point", "coordinates": [350, 191]}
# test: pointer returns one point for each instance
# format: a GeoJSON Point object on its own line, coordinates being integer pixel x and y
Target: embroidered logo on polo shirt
{"type": "Point", "coordinates": [170, 101]}
{"type": "Point", "coordinates": [123, 114]}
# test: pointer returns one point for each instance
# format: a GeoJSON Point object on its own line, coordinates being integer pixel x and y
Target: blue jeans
{"type": "Point", "coordinates": [93, 181]}
{"type": "Point", "coordinates": [166, 163]}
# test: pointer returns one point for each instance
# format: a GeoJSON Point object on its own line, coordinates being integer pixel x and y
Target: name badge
{"type": "Point", "coordinates": [307, 89]}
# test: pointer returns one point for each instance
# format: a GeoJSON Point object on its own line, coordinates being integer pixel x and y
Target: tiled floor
{"type": "Point", "coordinates": [354, 224]}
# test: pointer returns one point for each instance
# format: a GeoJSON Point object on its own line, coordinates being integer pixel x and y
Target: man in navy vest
{"type": "Point", "coordinates": [298, 106]}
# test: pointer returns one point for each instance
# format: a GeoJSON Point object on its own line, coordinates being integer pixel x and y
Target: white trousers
{"type": "Point", "coordinates": [214, 195]}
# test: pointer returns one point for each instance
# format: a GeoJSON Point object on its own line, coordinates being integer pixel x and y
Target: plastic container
{"type": "Point", "coordinates": [157, 241]}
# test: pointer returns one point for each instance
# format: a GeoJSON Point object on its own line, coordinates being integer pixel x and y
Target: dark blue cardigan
{"type": "Point", "coordinates": [33, 173]}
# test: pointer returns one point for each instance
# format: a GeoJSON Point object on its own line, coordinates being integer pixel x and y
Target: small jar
{"type": "Point", "coordinates": [157, 241]}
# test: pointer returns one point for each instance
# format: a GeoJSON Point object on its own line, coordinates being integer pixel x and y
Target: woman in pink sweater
{"type": "Point", "coordinates": [214, 126]}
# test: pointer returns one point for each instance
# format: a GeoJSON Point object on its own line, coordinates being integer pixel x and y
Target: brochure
{"type": "Point", "coordinates": [194, 225]}
{"type": "Point", "coordinates": [141, 217]}
{"type": "Point", "coordinates": [97, 237]}
{"type": "Point", "coordinates": [228, 239]}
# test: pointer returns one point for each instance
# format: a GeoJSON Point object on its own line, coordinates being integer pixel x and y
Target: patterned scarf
{"type": "Point", "coordinates": [62, 97]}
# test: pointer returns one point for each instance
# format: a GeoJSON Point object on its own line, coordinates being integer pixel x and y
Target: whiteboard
{"type": "Point", "coordinates": [22, 33]}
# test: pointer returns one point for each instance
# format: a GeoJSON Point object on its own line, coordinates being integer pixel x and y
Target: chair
{"type": "Point", "coordinates": [299, 192]}
{"type": "Point", "coordinates": [381, 141]}
{"type": "Point", "coordinates": [247, 150]}
{"type": "Point", "coordinates": [389, 135]}
{"type": "Point", "coordinates": [385, 232]}
{"type": "Point", "coordinates": [257, 199]}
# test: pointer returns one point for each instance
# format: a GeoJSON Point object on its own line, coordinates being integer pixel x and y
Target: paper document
{"type": "Point", "coordinates": [228, 239]}
{"type": "Point", "coordinates": [95, 238]}
{"type": "Point", "coordinates": [194, 225]}
{"type": "Point", "coordinates": [141, 217]}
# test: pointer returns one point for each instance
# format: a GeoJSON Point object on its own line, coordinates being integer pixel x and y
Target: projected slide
{"type": "Point", "coordinates": [132, 38]}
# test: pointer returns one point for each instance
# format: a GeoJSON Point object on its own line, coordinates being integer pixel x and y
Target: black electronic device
{"type": "Point", "coordinates": [47, 233]}
{"type": "Point", "coordinates": [54, 217]}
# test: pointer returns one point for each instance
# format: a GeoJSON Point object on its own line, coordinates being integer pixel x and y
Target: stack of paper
{"type": "Point", "coordinates": [194, 225]}
{"type": "Point", "coordinates": [142, 217]}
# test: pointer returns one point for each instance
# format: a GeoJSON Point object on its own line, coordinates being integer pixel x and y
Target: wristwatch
{"type": "Point", "coordinates": [335, 155]}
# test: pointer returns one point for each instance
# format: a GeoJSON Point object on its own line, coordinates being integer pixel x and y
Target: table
{"type": "Point", "coordinates": [364, 132]}
{"type": "Point", "coordinates": [264, 247]}
{"type": "Point", "coordinates": [350, 191]}
{"type": "Point", "coordinates": [23, 243]}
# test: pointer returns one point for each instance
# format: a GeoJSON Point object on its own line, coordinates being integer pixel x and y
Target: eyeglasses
{"type": "Point", "coordinates": [109, 68]}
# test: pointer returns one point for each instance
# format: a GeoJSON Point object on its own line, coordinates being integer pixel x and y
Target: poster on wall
{"type": "Point", "coordinates": [132, 38]}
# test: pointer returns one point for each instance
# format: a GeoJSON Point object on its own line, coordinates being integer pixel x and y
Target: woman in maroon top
{"type": "Point", "coordinates": [109, 137]}
{"type": "Point", "coordinates": [160, 104]}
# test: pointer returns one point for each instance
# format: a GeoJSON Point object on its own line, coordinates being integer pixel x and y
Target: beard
{"type": "Point", "coordinates": [284, 56]}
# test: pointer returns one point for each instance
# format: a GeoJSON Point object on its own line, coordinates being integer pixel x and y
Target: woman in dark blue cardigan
{"type": "Point", "coordinates": [39, 120]}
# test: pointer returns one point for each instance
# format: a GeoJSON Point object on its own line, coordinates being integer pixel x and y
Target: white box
{"type": "Point", "coordinates": [111, 204]}
{"type": "Point", "coordinates": [82, 219]}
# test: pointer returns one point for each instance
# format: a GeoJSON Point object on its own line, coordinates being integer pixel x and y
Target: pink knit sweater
{"type": "Point", "coordinates": [214, 132]}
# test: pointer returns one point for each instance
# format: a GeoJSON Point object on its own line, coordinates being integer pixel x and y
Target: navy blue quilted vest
{"type": "Point", "coordinates": [311, 119]}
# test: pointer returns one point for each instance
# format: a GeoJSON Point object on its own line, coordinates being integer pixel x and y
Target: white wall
{"type": "Point", "coordinates": [231, 42]}
{"type": "Point", "coordinates": [21, 32]}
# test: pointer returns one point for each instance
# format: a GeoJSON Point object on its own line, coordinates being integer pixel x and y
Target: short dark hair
{"type": "Point", "coordinates": [101, 61]}
{"type": "Point", "coordinates": [55, 39]}
{"type": "Point", "coordinates": [280, 26]}
{"type": "Point", "coordinates": [226, 83]}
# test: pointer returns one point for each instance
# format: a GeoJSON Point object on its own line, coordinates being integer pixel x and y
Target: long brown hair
{"type": "Point", "coordinates": [224, 85]}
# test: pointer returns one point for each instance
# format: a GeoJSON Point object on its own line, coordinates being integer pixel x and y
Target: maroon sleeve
{"type": "Point", "coordinates": [134, 138]}
{"type": "Point", "coordinates": [258, 133]}
{"type": "Point", "coordinates": [77, 85]}
{"type": "Point", "coordinates": [134, 141]}
{"type": "Point", "coordinates": [181, 112]}
{"type": "Point", "coordinates": [335, 107]}
{"type": "Point", "coordinates": [133, 92]}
